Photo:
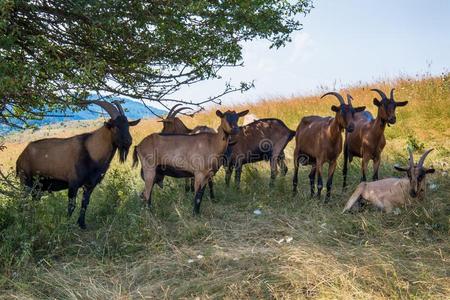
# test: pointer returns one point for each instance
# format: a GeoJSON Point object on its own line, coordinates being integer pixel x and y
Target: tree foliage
{"type": "Point", "coordinates": [54, 53]}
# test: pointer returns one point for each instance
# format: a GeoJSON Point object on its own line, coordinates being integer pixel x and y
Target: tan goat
{"type": "Point", "coordinates": [318, 140]}
{"type": "Point", "coordinates": [388, 193]}
{"type": "Point", "coordinates": [198, 155]}
{"type": "Point", "coordinates": [367, 140]}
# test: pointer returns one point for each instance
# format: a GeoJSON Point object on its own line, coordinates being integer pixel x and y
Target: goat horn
{"type": "Point", "coordinates": [108, 107]}
{"type": "Point", "coordinates": [392, 94]}
{"type": "Point", "coordinates": [119, 107]}
{"type": "Point", "coordinates": [337, 95]}
{"type": "Point", "coordinates": [169, 114]}
{"type": "Point", "coordinates": [382, 94]}
{"type": "Point", "coordinates": [349, 99]}
{"type": "Point", "coordinates": [178, 110]}
{"type": "Point", "coordinates": [422, 159]}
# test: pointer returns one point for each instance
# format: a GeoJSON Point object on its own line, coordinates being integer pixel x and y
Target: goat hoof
{"type": "Point", "coordinates": [82, 225]}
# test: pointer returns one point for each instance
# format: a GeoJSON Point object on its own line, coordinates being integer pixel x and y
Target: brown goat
{"type": "Point", "coordinates": [388, 193]}
{"type": "Point", "coordinates": [181, 155]}
{"type": "Point", "coordinates": [319, 140]}
{"type": "Point", "coordinates": [80, 161]}
{"type": "Point", "coordinates": [173, 125]}
{"type": "Point", "coordinates": [367, 141]}
{"type": "Point", "coordinates": [263, 139]}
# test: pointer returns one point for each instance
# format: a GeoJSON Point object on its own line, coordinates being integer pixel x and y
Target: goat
{"type": "Point", "coordinates": [56, 164]}
{"type": "Point", "coordinates": [319, 140]}
{"type": "Point", "coordinates": [388, 193]}
{"type": "Point", "coordinates": [367, 141]}
{"type": "Point", "coordinates": [173, 125]}
{"type": "Point", "coordinates": [180, 155]}
{"type": "Point", "coordinates": [263, 139]}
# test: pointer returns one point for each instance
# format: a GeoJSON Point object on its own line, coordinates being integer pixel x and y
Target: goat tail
{"type": "Point", "coordinates": [135, 157]}
{"type": "Point", "coordinates": [345, 167]}
{"type": "Point", "coordinates": [354, 197]}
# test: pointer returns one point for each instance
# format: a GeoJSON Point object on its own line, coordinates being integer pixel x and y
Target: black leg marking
{"type": "Point", "coordinates": [198, 200]}
{"type": "Point", "coordinates": [72, 201]}
{"type": "Point", "coordinates": [84, 205]}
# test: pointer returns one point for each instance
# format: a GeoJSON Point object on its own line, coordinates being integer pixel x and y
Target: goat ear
{"type": "Point", "coordinates": [376, 102]}
{"type": "Point", "coordinates": [429, 171]}
{"type": "Point", "coordinates": [334, 108]}
{"type": "Point", "coordinates": [360, 108]}
{"type": "Point", "coordinates": [219, 114]}
{"type": "Point", "coordinates": [134, 123]}
{"type": "Point", "coordinates": [401, 169]}
{"type": "Point", "coordinates": [243, 113]}
{"type": "Point", "coordinates": [401, 103]}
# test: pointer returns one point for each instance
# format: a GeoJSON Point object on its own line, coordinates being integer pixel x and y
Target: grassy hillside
{"type": "Point", "coordinates": [296, 248]}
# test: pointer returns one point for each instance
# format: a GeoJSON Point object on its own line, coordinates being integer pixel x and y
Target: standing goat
{"type": "Point", "coordinates": [388, 193]}
{"type": "Point", "coordinates": [263, 139]}
{"type": "Point", "coordinates": [80, 161]}
{"type": "Point", "coordinates": [319, 140]}
{"type": "Point", "coordinates": [199, 155]}
{"type": "Point", "coordinates": [173, 125]}
{"type": "Point", "coordinates": [367, 140]}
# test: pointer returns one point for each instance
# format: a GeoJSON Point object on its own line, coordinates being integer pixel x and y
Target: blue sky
{"type": "Point", "coordinates": [344, 42]}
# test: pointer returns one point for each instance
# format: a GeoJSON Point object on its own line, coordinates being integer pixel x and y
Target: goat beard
{"type": "Point", "coordinates": [123, 153]}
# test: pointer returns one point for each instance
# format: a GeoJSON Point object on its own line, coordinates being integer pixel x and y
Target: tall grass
{"type": "Point", "coordinates": [297, 248]}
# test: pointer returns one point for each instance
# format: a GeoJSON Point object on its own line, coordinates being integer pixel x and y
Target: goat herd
{"type": "Point", "coordinates": [81, 161]}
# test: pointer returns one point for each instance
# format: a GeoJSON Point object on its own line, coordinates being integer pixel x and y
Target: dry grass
{"type": "Point", "coordinates": [128, 252]}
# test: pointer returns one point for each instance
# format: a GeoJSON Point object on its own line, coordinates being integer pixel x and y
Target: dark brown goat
{"type": "Point", "coordinates": [367, 140]}
{"type": "Point", "coordinates": [76, 162]}
{"type": "Point", "coordinates": [263, 139]}
{"type": "Point", "coordinates": [180, 155]}
{"type": "Point", "coordinates": [173, 125]}
{"type": "Point", "coordinates": [318, 140]}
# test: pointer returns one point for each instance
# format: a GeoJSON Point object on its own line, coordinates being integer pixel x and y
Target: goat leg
{"type": "Point", "coordinates": [237, 178]}
{"type": "Point", "coordinates": [282, 164]}
{"type": "Point", "coordinates": [376, 166]}
{"type": "Point", "coordinates": [331, 169]}
{"type": "Point", "coordinates": [273, 170]}
{"type": "Point", "coordinates": [312, 179]}
{"type": "Point", "coordinates": [211, 188]}
{"type": "Point", "coordinates": [364, 163]}
{"type": "Point", "coordinates": [187, 185]}
{"type": "Point", "coordinates": [228, 172]}
{"type": "Point", "coordinates": [72, 200]}
{"type": "Point", "coordinates": [84, 205]}
{"type": "Point", "coordinates": [319, 179]}
{"type": "Point", "coordinates": [295, 179]}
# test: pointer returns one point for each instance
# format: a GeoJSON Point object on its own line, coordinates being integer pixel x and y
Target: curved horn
{"type": "Point", "coordinates": [119, 107]}
{"type": "Point", "coordinates": [411, 159]}
{"type": "Point", "coordinates": [349, 99]}
{"type": "Point", "coordinates": [337, 95]}
{"type": "Point", "coordinates": [382, 94]}
{"type": "Point", "coordinates": [178, 110]}
{"type": "Point", "coordinates": [392, 94]}
{"type": "Point", "coordinates": [169, 114]}
{"type": "Point", "coordinates": [108, 107]}
{"type": "Point", "coordinates": [422, 159]}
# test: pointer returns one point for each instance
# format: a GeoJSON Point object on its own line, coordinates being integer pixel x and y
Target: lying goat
{"type": "Point", "coordinates": [180, 155]}
{"type": "Point", "coordinates": [80, 161]}
{"type": "Point", "coordinates": [173, 125]}
{"type": "Point", "coordinates": [388, 193]}
{"type": "Point", "coordinates": [367, 140]}
{"type": "Point", "coordinates": [263, 139]}
{"type": "Point", "coordinates": [319, 140]}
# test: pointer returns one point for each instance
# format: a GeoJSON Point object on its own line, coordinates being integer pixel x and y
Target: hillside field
{"type": "Point", "coordinates": [296, 248]}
